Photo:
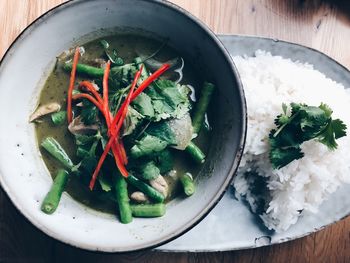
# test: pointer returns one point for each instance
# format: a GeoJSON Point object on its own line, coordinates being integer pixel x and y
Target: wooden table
{"type": "Point", "coordinates": [324, 25]}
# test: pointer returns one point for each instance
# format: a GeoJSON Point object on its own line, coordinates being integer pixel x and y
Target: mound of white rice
{"type": "Point", "coordinates": [280, 196]}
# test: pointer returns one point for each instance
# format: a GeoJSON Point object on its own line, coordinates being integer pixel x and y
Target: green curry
{"type": "Point", "coordinates": [119, 126]}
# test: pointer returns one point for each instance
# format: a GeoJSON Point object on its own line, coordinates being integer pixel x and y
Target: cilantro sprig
{"type": "Point", "coordinates": [299, 124]}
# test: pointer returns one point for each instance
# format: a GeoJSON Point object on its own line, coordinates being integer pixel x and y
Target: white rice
{"type": "Point", "coordinates": [304, 184]}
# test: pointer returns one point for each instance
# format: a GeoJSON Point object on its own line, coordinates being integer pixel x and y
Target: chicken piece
{"type": "Point", "coordinates": [68, 55]}
{"type": "Point", "coordinates": [139, 197]}
{"type": "Point", "coordinates": [183, 131]}
{"type": "Point", "coordinates": [78, 127]}
{"type": "Point", "coordinates": [160, 185]}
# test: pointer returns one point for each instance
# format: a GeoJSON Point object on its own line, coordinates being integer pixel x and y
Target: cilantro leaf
{"type": "Point", "coordinates": [143, 104]}
{"type": "Point", "coordinates": [115, 101]}
{"type": "Point", "coordinates": [163, 131]}
{"type": "Point", "coordinates": [169, 90]}
{"type": "Point", "coordinates": [281, 157]}
{"type": "Point", "coordinates": [88, 113]}
{"type": "Point", "coordinates": [334, 130]}
{"type": "Point", "coordinates": [165, 161]}
{"type": "Point", "coordinates": [148, 145]}
{"type": "Point", "coordinates": [327, 110]}
{"type": "Point", "coordinates": [169, 100]}
{"type": "Point", "coordinates": [86, 150]}
{"type": "Point", "coordinates": [132, 121]}
{"type": "Point", "coordinates": [339, 128]}
{"type": "Point", "coordinates": [106, 185]}
{"type": "Point", "coordinates": [302, 123]}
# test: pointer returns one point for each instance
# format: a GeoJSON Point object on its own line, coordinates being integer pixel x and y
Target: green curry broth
{"type": "Point", "coordinates": [55, 90]}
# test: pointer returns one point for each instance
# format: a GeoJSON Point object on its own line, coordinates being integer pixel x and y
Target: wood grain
{"type": "Point", "coordinates": [324, 25]}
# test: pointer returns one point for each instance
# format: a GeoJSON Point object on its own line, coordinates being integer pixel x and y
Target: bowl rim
{"type": "Point", "coordinates": [235, 161]}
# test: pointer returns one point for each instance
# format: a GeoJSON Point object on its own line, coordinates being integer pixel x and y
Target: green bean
{"type": "Point", "coordinates": [196, 153]}
{"type": "Point", "coordinates": [86, 70]}
{"type": "Point", "coordinates": [202, 106]}
{"type": "Point", "coordinates": [187, 184]}
{"type": "Point", "coordinates": [59, 118]}
{"type": "Point", "coordinates": [121, 193]}
{"type": "Point", "coordinates": [145, 188]}
{"type": "Point", "coordinates": [53, 197]}
{"type": "Point", "coordinates": [148, 210]}
{"type": "Point", "coordinates": [56, 150]}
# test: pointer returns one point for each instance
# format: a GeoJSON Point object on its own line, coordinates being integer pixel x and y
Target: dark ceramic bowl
{"type": "Point", "coordinates": [25, 177]}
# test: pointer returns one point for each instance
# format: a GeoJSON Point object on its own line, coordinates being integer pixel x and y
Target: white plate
{"type": "Point", "coordinates": [231, 225]}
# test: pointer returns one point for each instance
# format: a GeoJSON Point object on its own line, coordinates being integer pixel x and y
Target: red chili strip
{"type": "Point", "coordinates": [143, 86]}
{"type": "Point", "coordinates": [105, 89]}
{"type": "Point", "coordinates": [150, 79]}
{"type": "Point", "coordinates": [90, 87]}
{"type": "Point", "coordinates": [123, 152]}
{"type": "Point", "coordinates": [113, 138]}
{"type": "Point", "coordinates": [71, 85]}
{"type": "Point", "coordinates": [90, 98]}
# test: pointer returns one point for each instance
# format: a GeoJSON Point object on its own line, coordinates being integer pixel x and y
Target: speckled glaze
{"type": "Point", "coordinates": [231, 225]}
{"type": "Point", "coordinates": [23, 174]}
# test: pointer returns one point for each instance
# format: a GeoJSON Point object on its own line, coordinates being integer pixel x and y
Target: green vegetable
{"type": "Point", "coordinates": [145, 188]}
{"type": "Point", "coordinates": [53, 197]}
{"type": "Point", "coordinates": [124, 74]}
{"type": "Point", "coordinates": [81, 152]}
{"type": "Point", "coordinates": [144, 74]}
{"type": "Point", "coordinates": [143, 104]}
{"type": "Point", "coordinates": [169, 100]}
{"type": "Point", "coordinates": [148, 145]}
{"type": "Point", "coordinates": [171, 93]}
{"type": "Point", "coordinates": [83, 140]}
{"type": "Point", "coordinates": [202, 106]}
{"type": "Point", "coordinates": [121, 192]}
{"type": "Point", "coordinates": [120, 74]}
{"type": "Point", "coordinates": [112, 54]}
{"type": "Point", "coordinates": [301, 124]}
{"type": "Point", "coordinates": [148, 210]}
{"type": "Point", "coordinates": [105, 184]}
{"type": "Point", "coordinates": [149, 170]}
{"type": "Point", "coordinates": [132, 121]}
{"type": "Point", "coordinates": [187, 184]}
{"type": "Point", "coordinates": [196, 153]}
{"type": "Point", "coordinates": [59, 118]}
{"type": "Point", "coordinates": [148, 129]}
{"type": "Point", "coordinates": [116, 98]}
{"type": "Point", "coordinates": [162, 131]}
{"type": "Point", "coordinates": [88, 113]}
{"type": "Point", "coordinates": [164, 161]}
{"type": "Point", "coordinates": [85, 70]}
{"type": "Point", "coordinates": [56, 150]}
{"type": "Point", "coordinates": [86, 150]}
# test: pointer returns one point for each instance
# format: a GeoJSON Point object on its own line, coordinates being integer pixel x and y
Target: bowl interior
{"type": "Point", "coordinates": [23, 174]}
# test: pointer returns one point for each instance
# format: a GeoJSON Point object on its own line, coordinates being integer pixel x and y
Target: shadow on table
{"type": "Point", "coordinates": [303, 9]}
